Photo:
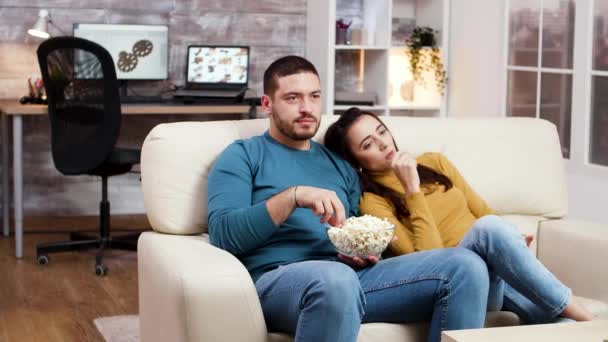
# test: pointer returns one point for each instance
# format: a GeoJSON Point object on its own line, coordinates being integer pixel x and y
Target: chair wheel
{"type": "Point", "coordinates": [101, 270]}
{"type": "Point", "coordinates": [42, 260]}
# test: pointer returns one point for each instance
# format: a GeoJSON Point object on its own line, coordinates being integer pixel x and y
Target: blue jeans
{"type": "Point", "coordinates": [328, 300]}
{"type": "Point", "coordinates": [518, 281]}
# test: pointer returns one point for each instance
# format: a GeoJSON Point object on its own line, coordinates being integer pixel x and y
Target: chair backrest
{"type": "Point", "coordinates": [83, 102]}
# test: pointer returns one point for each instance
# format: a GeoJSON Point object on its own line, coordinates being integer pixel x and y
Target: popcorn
{"type": "Point", "coordinates": [362, 236]}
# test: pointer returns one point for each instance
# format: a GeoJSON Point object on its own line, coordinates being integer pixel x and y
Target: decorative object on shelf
{"type": "Point", "coordinates": [424, 55]}
{"type": "Point", "coordinates": [342, 32]}
{"type": "Point", "coordinates": [401, 83]}
{"type": "Point", "coordinates": [407, 91]}
{"type": "Point", "coordinates": [358, 36]}
{"type": "Point", "coordinates": [401, 29]}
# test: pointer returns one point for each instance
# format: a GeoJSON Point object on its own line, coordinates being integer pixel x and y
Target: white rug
{"type": "Point", "coordinates": [119, 328]}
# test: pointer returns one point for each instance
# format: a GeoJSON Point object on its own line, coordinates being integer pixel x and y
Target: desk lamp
{"type": "Point", "coordinates": [41, 27]}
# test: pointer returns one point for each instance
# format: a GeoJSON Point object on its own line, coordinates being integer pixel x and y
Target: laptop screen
{"type": "Point", "coordinates": [218, 65]}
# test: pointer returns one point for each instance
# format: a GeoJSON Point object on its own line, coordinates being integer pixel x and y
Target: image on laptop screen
{"type": "Point", "coordinates": [220, 65]}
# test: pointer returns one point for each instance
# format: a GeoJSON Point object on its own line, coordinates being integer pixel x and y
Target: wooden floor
{"type": "Point", "coordinates": [58, 301]}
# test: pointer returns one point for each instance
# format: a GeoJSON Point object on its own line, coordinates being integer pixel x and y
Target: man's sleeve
{"type": "Point", "coordinates": [235, 223]}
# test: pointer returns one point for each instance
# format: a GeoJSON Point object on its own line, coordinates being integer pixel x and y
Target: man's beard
{"type": "Point", "coordinates": [288, 130]}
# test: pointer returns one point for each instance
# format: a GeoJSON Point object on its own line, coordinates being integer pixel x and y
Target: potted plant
{"type": "Point", "coordinates": [423, 38]}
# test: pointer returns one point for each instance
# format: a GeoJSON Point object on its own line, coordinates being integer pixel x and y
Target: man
{"type": "Point", "coordinates": [270, 198]}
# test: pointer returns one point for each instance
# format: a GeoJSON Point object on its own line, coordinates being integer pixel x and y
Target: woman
{"type": "Point", "coordinates": [432, 206]}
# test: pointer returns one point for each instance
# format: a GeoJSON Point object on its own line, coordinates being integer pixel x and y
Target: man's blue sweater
{"type": "Point", "coordinates": [251, 171]}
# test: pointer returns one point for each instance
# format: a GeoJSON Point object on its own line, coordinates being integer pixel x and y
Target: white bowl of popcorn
{"type": "Point", "coordinates": [362, 236]}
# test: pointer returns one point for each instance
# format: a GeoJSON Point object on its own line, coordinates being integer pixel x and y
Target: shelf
{"type": "Point", "coordinates": [533, 106]}
{"type": "Point", "coordinates": [552, 105]}
{"type": "Point", "coordinates": [368, 65]}
{"type": "Point", "coordinates": [345, 107]}
{"type": "Point", "coordinates": [375, 47]}
{"type": "Point", "coordinates": [414, 106]}
{"type": "Point", "coordinates": [361, 47]}
{"type": "Point", "coordinates": [535, 49]}
{"type": "Point", "coordinates": [524, 106]}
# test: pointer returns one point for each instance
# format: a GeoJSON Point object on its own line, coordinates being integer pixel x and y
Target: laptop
{"type": "Point", "coordinates": [215, 72]}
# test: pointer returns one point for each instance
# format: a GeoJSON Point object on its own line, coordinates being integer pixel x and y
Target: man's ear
{"type": "Point", "coordinates": [266, 103]}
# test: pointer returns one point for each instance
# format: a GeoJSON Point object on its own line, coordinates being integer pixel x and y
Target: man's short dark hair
{"type": "Point", "coordinates": [285, 66]}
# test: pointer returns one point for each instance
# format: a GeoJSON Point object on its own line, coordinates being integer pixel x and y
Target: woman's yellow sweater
{"type": "Point", "coordinates": [438, 218]}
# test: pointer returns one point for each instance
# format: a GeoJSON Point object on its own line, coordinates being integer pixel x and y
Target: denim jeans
{"type": "Point", "coordinates": [518, 281]}
{"type": "Point", "coordinates": [328, 300]}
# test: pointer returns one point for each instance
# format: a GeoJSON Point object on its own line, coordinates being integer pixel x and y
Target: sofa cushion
{"type": "Point", "coordinates": [414, 332]}
{"type": "Point", "coordinates": [596, 307]}
{"type": "Point", "coordinates": [176, 160]}
{"type": "Point", "coordinates": [417, 332]}
{"type": "Point", "coordinates": [521, 176]}
{"type": "Point", "coordinates": [515, 176]}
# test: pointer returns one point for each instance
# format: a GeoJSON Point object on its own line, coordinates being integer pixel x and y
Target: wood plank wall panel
{"type": "Point", "coordinates": [17, 62]}
{"type": "Point", "coordinates": [276, 35]}
{"type": "Point", "coordinates": [273, 28]}
{"type": "Point", "coordinates": [259, 6]}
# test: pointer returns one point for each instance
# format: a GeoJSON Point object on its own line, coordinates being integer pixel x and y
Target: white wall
{"type": "Point", "coordinates": [476, 58]}
{"type": "Point", "coordinates": [476, 88]}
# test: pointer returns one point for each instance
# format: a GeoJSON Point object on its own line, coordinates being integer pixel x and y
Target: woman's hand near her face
{"type": "Point", "coordinates": [404, 166]}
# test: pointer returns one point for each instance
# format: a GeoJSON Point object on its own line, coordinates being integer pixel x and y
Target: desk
{"type": "Point", "coordinates": [14, 110]}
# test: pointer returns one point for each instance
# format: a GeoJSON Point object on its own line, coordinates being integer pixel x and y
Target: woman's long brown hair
{"type": "Point", "coordinates": [336, 141]}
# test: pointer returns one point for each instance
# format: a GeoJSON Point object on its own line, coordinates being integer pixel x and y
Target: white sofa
{"type": "Point", "coordinates": [192, 291]}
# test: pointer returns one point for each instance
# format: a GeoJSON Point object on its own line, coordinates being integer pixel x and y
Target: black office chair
{"type": "Point", "coordinates": [85, 116]}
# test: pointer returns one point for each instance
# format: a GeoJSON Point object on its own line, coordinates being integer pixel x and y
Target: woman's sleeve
{"type": "Point", "coordinates": [419, 234]}
{"type": "Point", "coordinates": [475, 203]}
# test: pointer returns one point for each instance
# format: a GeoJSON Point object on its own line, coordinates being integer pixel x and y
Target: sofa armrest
{"type": "Point", "coordinates": [190, 290]}
{"type": "Point", "coordinates": [577, 253]}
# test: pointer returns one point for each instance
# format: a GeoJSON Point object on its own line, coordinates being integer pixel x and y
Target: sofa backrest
{"type": "Point", "coordinates": [515, 164]}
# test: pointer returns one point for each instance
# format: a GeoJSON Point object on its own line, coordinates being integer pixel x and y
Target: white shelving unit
{"type": "Point", "coordinates": [379, 64]}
